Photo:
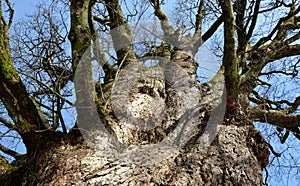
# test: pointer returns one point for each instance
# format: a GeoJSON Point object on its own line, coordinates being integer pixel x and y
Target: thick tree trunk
{"type": "Point", "coordinates": [174, 150]}
{"type": "Point", "coordinates": [236, 156]}
{"type": "Point", "coordinates": [233, 159]}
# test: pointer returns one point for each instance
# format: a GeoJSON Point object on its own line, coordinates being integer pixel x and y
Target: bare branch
{"type": "Point", "coordinates": [49, 89]}
{"type": "Point", "coordinates": [60, 117]}
{"type": "Point", "coordinates": [276, 28]}
{"type": "Point", "coordinates": [295, 105]}
{"type": "Point", "coordinates": [253, 20]}
{"type": "Point", "coordinates": [8, 124]}
{"type": "Point", "coordinates": [199, 19]}
{"type": "Point", "coordinates": [285, 51]}
{"type": "Point", "coordinates": [266, 104]}
{"type": "Point", "coordinates": [10, 152]}
{"type": "Point", "coordinates": [13, 94]}
{"type": "Point", "coordinates": [11, 13]}
{"type": "Point", "coordinates": [276, 154]}
{"type": "Point", "coordinates": [278, 118]}
{"type": "Point", "coordinates": [102, 21]}
{"type": "Point", "coordinates": [240, 26]}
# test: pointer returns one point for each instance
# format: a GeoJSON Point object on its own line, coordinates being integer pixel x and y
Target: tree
{"type": "Point", "coordinates": [164, 128]}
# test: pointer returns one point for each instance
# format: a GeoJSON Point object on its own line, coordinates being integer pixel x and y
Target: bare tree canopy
{"type": "Point", "coordinates": [156, 92]}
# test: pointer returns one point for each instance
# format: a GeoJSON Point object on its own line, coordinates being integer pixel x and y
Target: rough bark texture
{"type": "Point", "coordinates": [228, 161]}
{"type": "Point", "coordinates": [235, 157]}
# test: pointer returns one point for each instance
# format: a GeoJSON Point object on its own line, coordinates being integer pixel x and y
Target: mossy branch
{"type": "Point", "coordinates": [13, 94]}
{"type": "Point", "coordinates": [230, 61]}
{"type": "Point", "coordinates": [167, 28]}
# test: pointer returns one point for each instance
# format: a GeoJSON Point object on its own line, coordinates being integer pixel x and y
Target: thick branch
{"type": "Point", "coordinates": [241, 30]}
{"type": "Point", "coordinates": [21, 108]}
{"type": "Point", "coordinates": [167, 28]}
{"type": "Point", "coordinates": [230, 59]}
{"type": "Point", "coordinates": [213, 28]}
{"type": "Point", "coordinates": [121, 33]}
{"type": "Point", "coordinates": [279, 118]}
{"type": "Point", "coordinates": [266, 103]}
{"type": "Point", "coordinates": [80, 31]}
{"type": "Point", "coordinates": [286, 51]}
{"type": "Point", "coordinates": [199, 19]}
{"type": "Point", "coordinates": [277, 49]}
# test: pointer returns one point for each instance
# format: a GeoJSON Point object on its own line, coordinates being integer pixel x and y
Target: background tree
{"type": "Point", "coordinates": [257, 43]}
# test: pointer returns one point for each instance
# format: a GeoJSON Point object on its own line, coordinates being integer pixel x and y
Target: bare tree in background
{"type": "Point", "coordinates": [42, 55]}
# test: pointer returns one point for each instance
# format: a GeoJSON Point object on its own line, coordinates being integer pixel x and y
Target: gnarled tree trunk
{"type": "Point", "coordinates": [190, 143]}
{"type": "Point", "coordinates": [235, 156]}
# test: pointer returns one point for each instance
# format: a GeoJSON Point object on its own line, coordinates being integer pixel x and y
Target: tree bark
{"type": "Point", "coordinates": [21, 108]}
{"type": "Point", "coordinates": [134, 156]}
{"type": "Point", "coordinates": [236, 155]}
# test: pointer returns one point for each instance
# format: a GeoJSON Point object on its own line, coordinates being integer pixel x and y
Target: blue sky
{"type": "Point", "coordinates": [21, 7]}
